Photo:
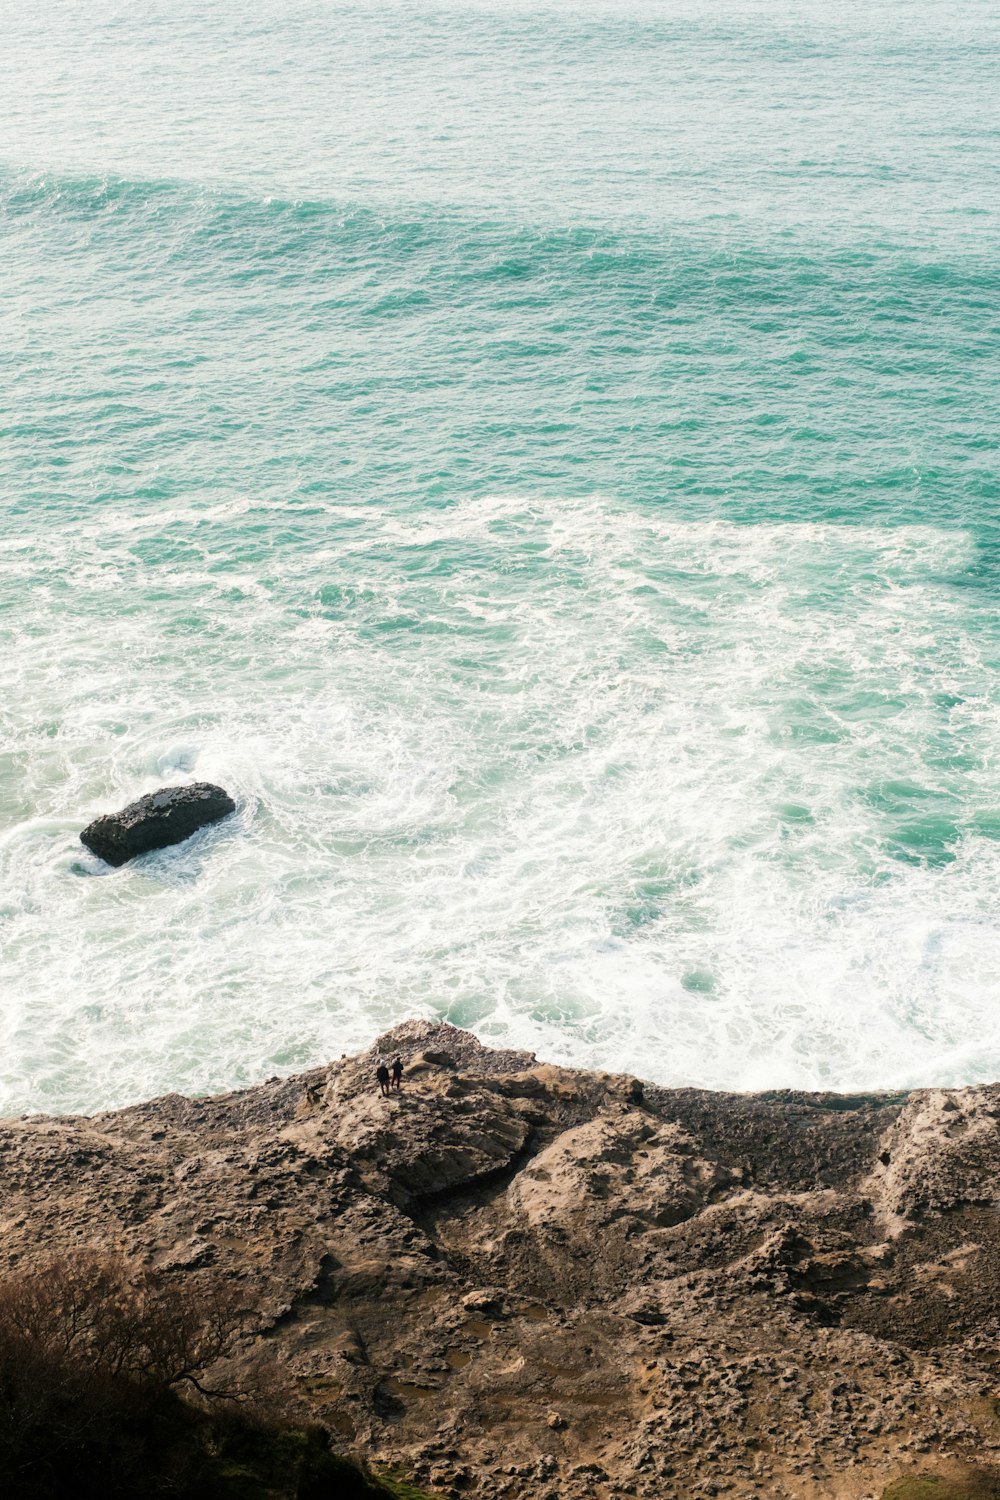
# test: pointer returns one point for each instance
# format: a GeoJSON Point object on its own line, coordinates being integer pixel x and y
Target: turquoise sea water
{"type": "Point", "coordinates": [543, 459]}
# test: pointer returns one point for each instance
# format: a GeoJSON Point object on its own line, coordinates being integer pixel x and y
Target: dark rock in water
{"type": "Point", "coordinates": [156, 820]}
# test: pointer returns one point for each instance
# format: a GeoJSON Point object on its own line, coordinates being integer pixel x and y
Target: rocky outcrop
{"type": "Point", "coordinates": [527, 1281]}
{"type": "Point", "coordinates": [161, 818]}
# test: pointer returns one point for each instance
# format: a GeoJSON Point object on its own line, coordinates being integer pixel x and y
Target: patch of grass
{"type": "Point", "coordinates": [400, 1488]}
{"type": "Point", "coordinates": [973, 1484]}
{"type": "Point", "coordinates": [262, 1463]}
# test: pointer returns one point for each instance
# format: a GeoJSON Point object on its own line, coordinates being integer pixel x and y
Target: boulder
{"type": "Point", "coordinates": [160, 818]}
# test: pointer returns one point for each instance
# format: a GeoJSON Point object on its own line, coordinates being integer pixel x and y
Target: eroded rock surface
{"type": "Point", "coordinates": [156, 821]}
{"type": "Point", "coordinates": [528, 1281]}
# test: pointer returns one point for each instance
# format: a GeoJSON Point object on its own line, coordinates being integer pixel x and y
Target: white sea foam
{"type": "Point", "coordinates": [709, 802]}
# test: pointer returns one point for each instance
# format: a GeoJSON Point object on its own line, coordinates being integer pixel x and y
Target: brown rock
{"type": "Point", "coordinates": [594, 1289]}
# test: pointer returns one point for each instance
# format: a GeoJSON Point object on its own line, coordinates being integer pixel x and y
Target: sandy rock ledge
{"type": "Point", "coordinates": [527, 1281]}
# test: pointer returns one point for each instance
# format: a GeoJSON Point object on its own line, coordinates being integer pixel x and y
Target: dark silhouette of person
{"type": "Point", "coordinates": [382, 1074]}
{"type": "Point", "coordinates": [397, 1071]}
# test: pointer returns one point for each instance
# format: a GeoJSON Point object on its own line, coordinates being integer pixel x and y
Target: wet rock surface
{"type": "Point", "coordinates": [523, 1280]}
{"type": "Point", "coordinates": [156, 821]}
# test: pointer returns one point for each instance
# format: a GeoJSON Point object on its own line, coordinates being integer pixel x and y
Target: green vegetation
{"type": "Point", "coordinates": [401, 1489]}
{"type": "Point", "coordinates": [972, 1484]}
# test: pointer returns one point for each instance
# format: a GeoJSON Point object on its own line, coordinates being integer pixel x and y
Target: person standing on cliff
{"type": "Point", "coordinates": [397, 1071]}
{"type": "Point", "coordinates": [382, 1074]}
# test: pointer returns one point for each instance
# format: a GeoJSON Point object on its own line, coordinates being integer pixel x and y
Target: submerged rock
{"type": "Point", "coordinates": [164, 817]}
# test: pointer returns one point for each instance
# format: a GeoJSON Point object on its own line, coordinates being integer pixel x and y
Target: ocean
{"type": "Point", "coordinates": [543, 460]}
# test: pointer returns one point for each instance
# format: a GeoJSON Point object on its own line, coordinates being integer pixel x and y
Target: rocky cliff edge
{"type": "Point", "coordinates": [520, 1280]}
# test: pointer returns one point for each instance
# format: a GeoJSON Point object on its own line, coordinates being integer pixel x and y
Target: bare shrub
{"type": "Point", "coordinates": [92, 1352]}
{"type": "Point", "coordinates": [122, 1320]}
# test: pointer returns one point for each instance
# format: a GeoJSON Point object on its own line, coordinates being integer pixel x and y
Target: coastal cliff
{"type": "Point", "coordinates": [520, 1280]}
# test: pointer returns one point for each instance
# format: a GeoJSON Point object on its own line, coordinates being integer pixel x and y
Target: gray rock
{"type": "Point", "coordinates": [157, 820]}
